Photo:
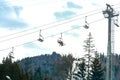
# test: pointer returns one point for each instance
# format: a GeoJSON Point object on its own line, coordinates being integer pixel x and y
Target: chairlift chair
{"type": "Point", "coordinates": [60, 41]}
{"type": "Point", "coordinates": [41, 38]}
{"type": "Point", "coordinates": [86, 26]}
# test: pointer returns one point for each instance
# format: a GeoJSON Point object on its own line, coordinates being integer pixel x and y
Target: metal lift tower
{"type": "Point", "coordinates": [109, 13]}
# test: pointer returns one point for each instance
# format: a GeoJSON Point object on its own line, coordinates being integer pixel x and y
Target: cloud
{"type": "Point", "coordinates": [72, 5]}
{"type": "Point", "coordinates": [95, 4]}
{"type": "Point", "coordinates": [12, 23]}
{"type": "Point", "coordinates": [9, 16]}
{"type": "Point", "coordinates": [17, 9]}
{"type": "Point", "coordinates": [74, 33]}
{"type": "Point", "coordinates": [64, 14]}
{"type": "Point", "coordinates": [75, 26]}
{"type": "Point", "coordinates": [30, 45]}
{"type": "Point", "coordinates": [68, 11]}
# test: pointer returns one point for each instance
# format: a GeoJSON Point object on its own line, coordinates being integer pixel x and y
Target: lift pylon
{"type": "Point", "coordinates": [109, 13]}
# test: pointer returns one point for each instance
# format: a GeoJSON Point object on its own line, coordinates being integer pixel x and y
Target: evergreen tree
{"type": "Point", "coordinates": [97, 71]}
{"type": "Point", "coordinates": [38, 74]}
{"type": "Point", "coordinates": [89, 48]}
{"type": "Point", "coordinates": [64, 67]}
{"type": "Point", "coordinates": [11, 69]}
{"type": "Point", "coordinates": [81, 71]}
{"type": "Point", "coordinates": [45, 77]}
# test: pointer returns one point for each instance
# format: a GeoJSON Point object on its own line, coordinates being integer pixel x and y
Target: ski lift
{"type": "Point", "coordinates": [86, 26]}
{"type": "Point", "coordinates": [60, 41]}
{"type": "Point", "coordinates": [41, 38]}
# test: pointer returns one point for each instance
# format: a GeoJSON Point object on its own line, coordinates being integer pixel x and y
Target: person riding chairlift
{"type": "Point", "coordinates": [60, 41]}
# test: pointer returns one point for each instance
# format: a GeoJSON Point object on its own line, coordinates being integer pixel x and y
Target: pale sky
{"type": "Point", "coordinates": [21, 21]}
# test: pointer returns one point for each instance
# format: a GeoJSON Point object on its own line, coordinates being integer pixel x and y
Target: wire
{"type": "Point", "coordinates": [45, 29]}
{"type": "Point", "coordinates": [97, 20]}
{"type": "Point", "coordinates": [116, 4]}
{"type": "Point", "coordinates": [54, 22]}
{"type": "Point", "coordinates": [36, 39]}
{"type": "Point", "coordinates": [17, 45]}
{"type": "Point", "coordinates": [18, 36]}
{"type": "Point", "coordinates": [51, 23]}
{"type": "Point", "coordinates": [26, 30]}
{"type": "Point", "coordinates": [68, 21]}
{"type": "Point", "coordinates": [48, 36]}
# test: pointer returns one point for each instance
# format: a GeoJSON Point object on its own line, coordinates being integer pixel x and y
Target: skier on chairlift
{"type": "Point", "coordinates": [60, 41]}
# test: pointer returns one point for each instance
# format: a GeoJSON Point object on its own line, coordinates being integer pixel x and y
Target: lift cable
{"type": "Point", "coordinates": [55, 22]}
{"type": "Point", "coordinates": [48, 36]}
{"type": "Point", "coordinates": [52, 23]}
{"type": "Point", "coordinates": [56, 25]}
{"type": "Point", "coordinates": [43, 29]}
